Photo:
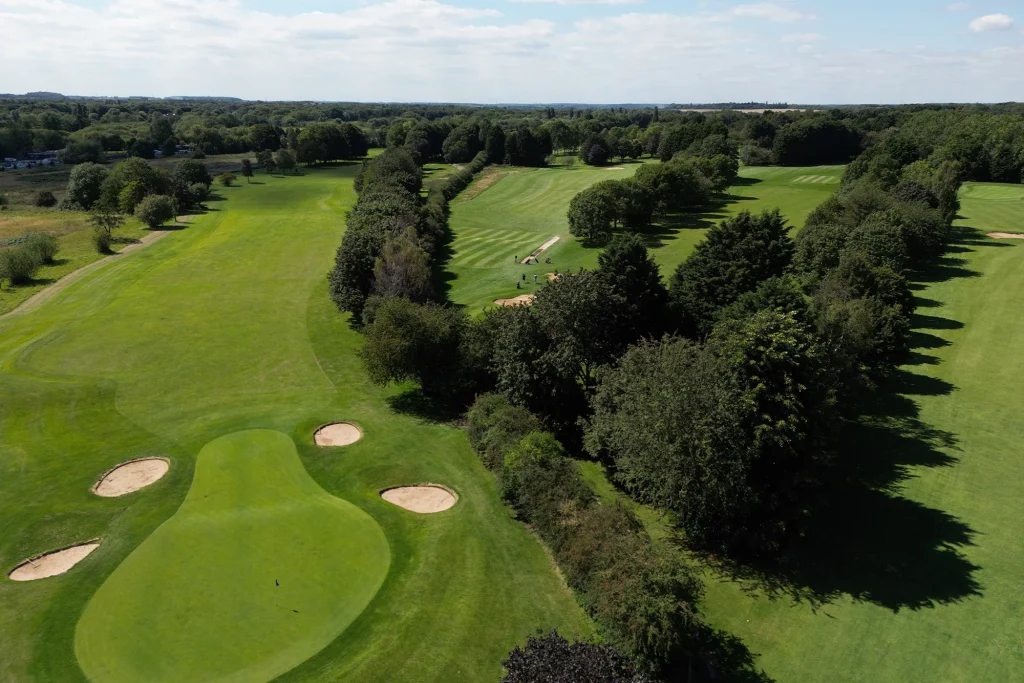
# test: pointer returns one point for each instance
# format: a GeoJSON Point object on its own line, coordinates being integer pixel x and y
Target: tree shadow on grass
{"type": "Point", "coordinates": [415, 404]}
{"type": "Point", "coordinates": [865, 539]}
{"type": "Point", "coordinates": [722, 657]}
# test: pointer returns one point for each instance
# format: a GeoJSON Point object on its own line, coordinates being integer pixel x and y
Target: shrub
{"type": "Point", "coordinates": [46, 199]}
{"type": "Point", "coordinates": [495, 426]}
{"type": "Point", "coordinates": [227, 179]}
{"type": "Point", "coordinates": [155, 210]}
{"type": "Point", "coordinates": [18, 264]}
{"type": "Point", "coordinates": [43, 245]}
{"type": "Point", "coordinates": [4, 201]}
{"type": "Point", "coordinates": [103, 241]}
{"type": "Point", "coordinates": [553, 658]}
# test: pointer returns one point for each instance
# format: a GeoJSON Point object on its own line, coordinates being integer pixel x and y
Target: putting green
{"type": "Point", "coordinates": [258, 571]}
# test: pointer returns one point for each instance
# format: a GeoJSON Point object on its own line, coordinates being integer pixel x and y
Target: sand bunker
{"type": "Point", "coordinates": [131, 476]}
{"type": "Point", "coordinates": [426, 498]}
{"type": "Point", "coordinates": [53, 564]}
{"type": "Point", "coordinates": [1007, 235]}
{"type": "Point", "coordinates": [553, 276]}
{"type": "Point", "coordinates": [615, 168]}
{"type": "Point", "coordinates": [540, 250]}
{"type": "Point", "coordinates": [337, 434]}
{"type": "Point", "coordinates": [522, 300]}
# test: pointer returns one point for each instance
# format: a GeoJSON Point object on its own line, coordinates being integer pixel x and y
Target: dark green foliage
{"type": "Point", "coordinates": [525, 148]}
{"type": "Point", "coordinates": [392, 167]}
{"type": "Point", "coordinates": [192, 171]}
{"type": "Point", "coordinates": [912, 192]}
{"type": "Point", "coordinates": [129, 182]}
{"type": "Point", "coordinates": [45, 199]}
{"type": "Point", "coordinates": [819, 247]}
{"type": "Point", "coordinates": [85, 186]}
{"type": "Point", "coordinates": [246, 170]}
{"type": "Point", "coordinates": [642, 598]}
{"type": "Point", "coordinates": [631, 273]}
{"type": "Point", "coordinates": [495, 147]}
{"type": "Point", "coordinates": [538, 482]}
{"type": "Point", "coordinates": [44, 247]}
{"type": "Point", "coordinates": [408, 341]}
{"type": "Point", "coordinates": [735, 258]}
{"type": "Point", "coordinates": [81, 152]}
{"type": "Point", "coordinates": [881, 241]}
{"type": "Point", "coordinates": [463, 143]}
{"type": "Point", "coordinates": [553, 659]}
{"type": "Point", "coordinates": [816, 141]}
{"type": "Point", "coordinates": [595, 151]}
{"type": "Point", "coordinates": [143, 149]}
{"type": "Point", "coordinates": [495, 426]}
{"type": "Point", "coordinates": [155, 210]}
{"type": "Point", "coordinates": [460, 180]}
{"type": "Point", "coordinates": [106, 221]}
{"type": "Point", "coordinates": [675, 186]}
{"type": "Point", "coordinates": [593, 212]}
{"type": "Point", "coordinates": [19, 264]}
{"type": "Point", "coordinates": [403, 269]}
{"type": "Point", "coordinates": [103, 241]}
{"type": "Point", "coordinates": [781, 294]}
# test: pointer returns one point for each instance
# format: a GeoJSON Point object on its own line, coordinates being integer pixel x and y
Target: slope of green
{"type": "Point", "coordinates": [527, 207]}
{"type": "Point", "coordinates": [221, 327]}
{"type": "Point", "coordinates": [258, 570]}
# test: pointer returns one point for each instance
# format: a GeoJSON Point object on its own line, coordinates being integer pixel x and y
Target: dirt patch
{"type": "Point", "coordinates": [1007, 235]}
{"type": "Point", "coordinates": [337, 434]}
{"type": "Point", "coordinates": [488, 179]}
{"type": "Point", "coordinates": [541, 249]}
{"type": "Point", "coordinates": [425, 498]}
{"type": "Point", "coordinates": [553, 276]}
{"type": "Point", "coordinates": [131, 476]}
{"type": "Point", "coordinates": [615, 168]}
{"type": "Point", "coordinates": [53, 563]}
{"type": "Point", "coordinates": [521, 300]}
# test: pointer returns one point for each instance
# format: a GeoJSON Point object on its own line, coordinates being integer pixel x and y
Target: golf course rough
{"type": "Point", "coordinates": [258, 571]}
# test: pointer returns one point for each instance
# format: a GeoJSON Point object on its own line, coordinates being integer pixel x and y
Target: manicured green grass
{"type": "Point", "coordinates": [222, 327]}
{"type": "Point", "coordinates": [527, 207]}
{"type": "Point", "coordinates": [257, 571]}
{"type": "Point", "coordinates": [921, 581]}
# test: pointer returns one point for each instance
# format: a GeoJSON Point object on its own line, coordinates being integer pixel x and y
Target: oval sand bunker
{"type": "Point", "coordinates": [426, 499]}
{"type": "Point", "coordinates": [337, 434]}
{"type": "Point", "coordinates": [131, 476]}
{"type": "Point", "coordinates": [52, 564]}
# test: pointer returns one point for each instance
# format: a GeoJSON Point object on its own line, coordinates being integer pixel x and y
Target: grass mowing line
{"type": "Point", "coordinates": [259, 565]}
{"type": "Point", "coordinates": [143, 358]}
{"type": "Point", "coordinates": [57, 287]}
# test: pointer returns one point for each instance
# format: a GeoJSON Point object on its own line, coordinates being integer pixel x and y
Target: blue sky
{"type": "Point", "coordinates": [601, 51]}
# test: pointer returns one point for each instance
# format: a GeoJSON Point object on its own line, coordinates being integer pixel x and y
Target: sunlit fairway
{"type": "Point", "coordinates": [511, 212]}
{"type": "Point", "coordinates": [224, 327]}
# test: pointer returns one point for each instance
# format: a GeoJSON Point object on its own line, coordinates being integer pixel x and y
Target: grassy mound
{"type": "Point", "coordinates": [258, 570]}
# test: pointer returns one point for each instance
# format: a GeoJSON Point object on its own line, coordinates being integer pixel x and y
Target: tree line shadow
{"type": "Point", "coordinates": [865, 539]}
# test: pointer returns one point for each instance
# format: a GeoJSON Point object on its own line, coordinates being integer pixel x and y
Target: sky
{"type": "Point", "coordinates": [519, 51]}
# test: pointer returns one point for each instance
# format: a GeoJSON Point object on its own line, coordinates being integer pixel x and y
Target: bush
{"type": "Point", "coordinates": [227, 179]}
{"type": "Point", "coordinates": [102, 241]}
{"type": "Point", "coordinates": [4, 201]}
{"type": "Point", "coordinates": [43, 245]}
{"type": "Point", "coordinates": [18, 264]}
{"type": "Point", "coordinates": [495, 426]}
{"type": "Point", "coordinates": [46, 199]}
{"type": "Point", "coordinates": [155, 210]}
{"type": "Point", "coordinates": [553, 658]}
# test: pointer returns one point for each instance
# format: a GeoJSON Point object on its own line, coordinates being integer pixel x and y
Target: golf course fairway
{"type": "Point", "coordinates": [258, 570]}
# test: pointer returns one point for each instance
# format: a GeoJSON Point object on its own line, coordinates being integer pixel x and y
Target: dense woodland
{"type": "Point", "coordinates": [987, 141]}
{"type": "Point", "coordinates": [717, 394]}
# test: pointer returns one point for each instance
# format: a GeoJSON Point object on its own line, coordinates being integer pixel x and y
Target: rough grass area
{"type": "Point", "coordinates": [915, 573]}
{"type": "Point", "coordinates": [510, 212]}
{"type": "Point", "coordinates": [226, 326]}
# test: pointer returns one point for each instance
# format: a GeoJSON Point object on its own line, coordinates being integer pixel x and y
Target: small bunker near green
{"type": "Point", "coordinates": [131, 476]}
{"type": "Point", "coordinates": [53, 563]}
{"type": "Point", "coordinates": [337, 434]}
{"type": "Point", "coordinates": [424, 499]}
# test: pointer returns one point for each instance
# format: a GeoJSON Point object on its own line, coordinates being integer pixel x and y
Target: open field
{"type": "Point", "coordinates": [918, 578]}
{"type": "Point", "coordinates": [221, 328]}
{"type": "Point", "coordinates": [518, 210]}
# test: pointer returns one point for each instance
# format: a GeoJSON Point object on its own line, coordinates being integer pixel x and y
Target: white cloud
{"type": "Point", "coordinates": [992, 22]}
{"type": "Point", "coordinates": [580, 2]}
{"type": "Point", "coordinates": [802, 38]}
{"type": "Point", "coordinates": [770, 11]}
{"type": "Point", "coordinates": [428, 50]}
